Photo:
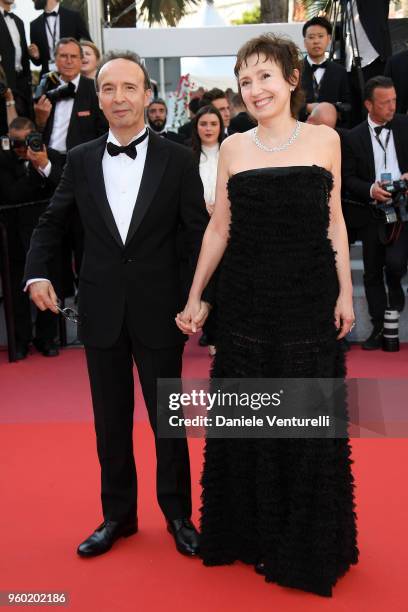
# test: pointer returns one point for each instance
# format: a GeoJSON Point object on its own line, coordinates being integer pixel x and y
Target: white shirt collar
{"type": "Point", "coordinates": [372, 124]}
{"type": "Point", "coordinates": [210, 151]}
{"type": "Point", "coordinates": [54, 10]}
{"type": "Point", "coordinates": [114, 140]}
{"type": "Point", "coordinates": [3, 10]}
{"type": "Point", "coordinates": [74, 81]}
{"type": "Point", "coordinates": [311, 62]}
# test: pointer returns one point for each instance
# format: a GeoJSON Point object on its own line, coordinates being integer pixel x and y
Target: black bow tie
{"type": "Point", "coordinates": [315, 67]}
{"type": "Point", "coordinates": [129, 149]}
{"type": "Point", "coordinates": [52, 14]}
{"type": "Point", "coordinates": [9, 14]}
{"type": "Point", "coordinates": [378, 129]}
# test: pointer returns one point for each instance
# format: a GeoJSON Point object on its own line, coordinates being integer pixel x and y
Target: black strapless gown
{"type": "Point", "coordinates": [285, 502]}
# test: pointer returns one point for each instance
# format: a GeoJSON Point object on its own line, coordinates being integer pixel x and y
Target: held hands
{"type": "Point", "coordinates": [193, 316]}
{"type": "Point", "coordinates": [344, 315]}
{"type": "Point", "coordinates": [38, 159]}
{"type": "Point", "coordinates": [43, 295]}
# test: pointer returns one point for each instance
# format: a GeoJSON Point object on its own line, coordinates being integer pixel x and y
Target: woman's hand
{"type": "Point", "coordinates": [344, 315]}
{"type": "Point", "coordinates": [193, 316]}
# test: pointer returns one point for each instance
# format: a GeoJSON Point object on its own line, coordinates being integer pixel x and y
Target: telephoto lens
{"type": "Point", "coordinates": [390, 333]}
{"type": "Point", "coordinates": [35, 142]}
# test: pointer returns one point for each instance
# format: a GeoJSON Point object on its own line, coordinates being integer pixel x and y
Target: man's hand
{"type": "Point", "coordinates": [193, 316]}
{"type": "Point", "coordinates": [43, 295]}
{"type": "Point", "coordinates": [404, 176]}
{"type": "Point", "coordinates": [33, 51]}
{"type": "Point", "coordinates": [38, 159]}
{"type": "Point", "coordinates": [42, 110]}
{"type": "Point", "coordinates": [378, 193]}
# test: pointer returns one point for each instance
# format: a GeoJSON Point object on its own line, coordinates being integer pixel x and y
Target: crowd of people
{"type": "Point", "coordinates": [62, 111]}
{"type": "Point", "coordinates": [249, 196]}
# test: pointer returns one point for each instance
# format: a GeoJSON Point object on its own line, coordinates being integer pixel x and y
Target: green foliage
{"type": "Point", "coordinates": [167, 12]}
{"type": "Point", "coordinates": [252, 16]}
{"type": "Point", "coordinates": [313, 7]}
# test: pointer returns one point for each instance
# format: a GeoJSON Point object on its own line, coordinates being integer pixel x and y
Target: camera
{"type": "Point", "coordinates": [396, 208]}
{"type": "Point", "coordinates": [51, 87]}
{"type": "Point", "coordinates": [33, 141]}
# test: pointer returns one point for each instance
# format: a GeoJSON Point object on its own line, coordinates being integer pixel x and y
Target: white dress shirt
{"type": "Point", "coordinates": [208, 171]}
{"type": "Point", "coordinates": [319, 72]}
{"type": "Point", "coordinates": [62, 117]}
{"type": "Point", "coordinates": [52, 25]}
{"type": "Point", "coordinates": [122, 176]}
{"type": "Point", "coordinates": [15, 37]}
{"type": "Point", "coordinates": [379, 156]}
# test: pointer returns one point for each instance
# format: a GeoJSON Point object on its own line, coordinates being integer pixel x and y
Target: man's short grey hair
{"type": "Point", "coordinates": [126, 55]}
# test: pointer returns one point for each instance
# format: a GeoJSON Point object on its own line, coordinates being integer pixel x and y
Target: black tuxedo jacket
{"type": "Point", "coordinates": [7, 52]}
{"type": "Point", "coordinates": [71, 24]}
{"type": "Point", "coordinates": [359, 167]}
{"type": "Point", "coordinates": [374, 19]}
{"type": "Point", "coordinates": [334, 85]}
{"type": "Point", "coordinates": [87, 120]}
{"type": "Point", "coordinates": [397, 70]}
{"type": "Point", "coordinates": [141, 278]}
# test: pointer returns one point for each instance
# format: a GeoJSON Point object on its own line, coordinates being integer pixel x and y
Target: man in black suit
{"type": "Point", "coordinates": [22, 180]}
{"type": "Point", "coordinates": [397, 70]}
{"type": "Point", "coordinates": [156, 114]}
{"type": "Point", "coordinates": [218, 98]}
{"type": "Point", "coordinates": [54, 23]}
{"type": "Point", "coordinates": [375, 148]}
{"type": "Point", "coordinates": [322, 80]}
{"type": "Point", "coordinates": [14, 58]}
{"type": "Point", "coordinates": [132, 189]}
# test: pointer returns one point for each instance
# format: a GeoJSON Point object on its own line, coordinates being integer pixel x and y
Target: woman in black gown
{"type": "Point", "coordinates": [284, 299]}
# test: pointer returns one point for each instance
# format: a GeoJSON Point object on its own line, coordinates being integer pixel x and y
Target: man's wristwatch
{"type": "Point", "coordinates": [10, 103]}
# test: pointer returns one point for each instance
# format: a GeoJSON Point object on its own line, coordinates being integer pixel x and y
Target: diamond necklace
{"type": "Point", "coordinates": [281, 147]}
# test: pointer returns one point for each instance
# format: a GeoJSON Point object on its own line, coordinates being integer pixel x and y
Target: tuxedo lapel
{"type": "Point", "coordinates": [73, 121]}
{"type": "Point", "coordinates": [4, 32]}
{"type": "Point", "coordinates": [368, 147]}
{"type": "Point", "coordinates": [93, 168]}
{"type": "Point", "coordinates": [155, 165]}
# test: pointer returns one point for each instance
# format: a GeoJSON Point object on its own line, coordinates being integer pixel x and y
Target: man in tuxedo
{"type": "Point", "coordinates": [22, 180]}
{"type": "Point", "coordinates": [397, 70]}
{"type": "Point", "coordinates": [157, 117]}
{"type": "Point", "coordinates": [322, 80]}
{"type": "Point", "coordinates": [373, 149]}
{"type": "Point", "coordinates": [132, 189]}
{"type": "Point", "coordinates": [14, 58]}
{"type": "Point", "coordinates": [54, 23]}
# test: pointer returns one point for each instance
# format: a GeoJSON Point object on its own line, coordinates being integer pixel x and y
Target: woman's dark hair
{"type": "Point", "coordinates": [282, 51]}
{"type": "Point", "coordinates": [195, 138]}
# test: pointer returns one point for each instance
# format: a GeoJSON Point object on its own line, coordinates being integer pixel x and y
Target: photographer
{"type": "Point", "coordinates": [375, 154]}
{"type": "Point", "coordinates": [22, 159]}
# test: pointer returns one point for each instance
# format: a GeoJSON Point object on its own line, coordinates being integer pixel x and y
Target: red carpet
{"type": "Point", "coordinates": [48, 505]}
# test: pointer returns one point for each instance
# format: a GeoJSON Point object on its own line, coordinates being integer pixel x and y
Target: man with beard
{"type": "Point", "coordinates": [157, 119]}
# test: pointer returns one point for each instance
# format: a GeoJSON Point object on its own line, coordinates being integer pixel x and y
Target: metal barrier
{"type": "Point", "coordinates": [6, 281]}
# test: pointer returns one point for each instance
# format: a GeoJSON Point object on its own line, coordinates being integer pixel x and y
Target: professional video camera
{"type": "Point", "coordinates": [33, 141]}
{"type": "Point", "coordinates": [51, 86]}
{"type": "Point", "coordinates": [396, 208]}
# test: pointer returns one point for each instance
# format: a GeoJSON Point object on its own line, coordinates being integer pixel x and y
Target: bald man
{"type": "Point", "coordinates": [323, 114]}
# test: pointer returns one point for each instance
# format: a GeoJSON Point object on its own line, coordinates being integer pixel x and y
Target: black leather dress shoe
{"type": "Point", "coordinates": [21, 350]}
{"type": "Point", "coordinates": [104, 537]}
{"type": "Point", "coordinates": [185, 535]}
{"type": "Point", "coordinates": [47, 347]}
{"type": "Point", "coordinates": [374, 341]}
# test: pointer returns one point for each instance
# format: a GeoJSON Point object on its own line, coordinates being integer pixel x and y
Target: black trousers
{"type": "Point", "coordinates": [377, 258]}
{"type": "Point", "coordinates": [112, 386]}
